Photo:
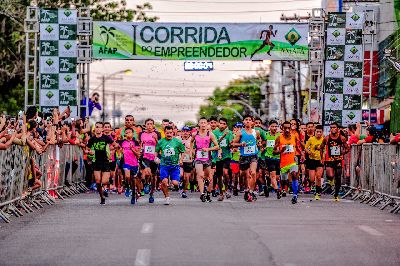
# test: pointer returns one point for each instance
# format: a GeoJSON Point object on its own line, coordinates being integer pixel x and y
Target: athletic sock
{"type": "Point", "coordinates": [295, 186]}
{"type": "Point", "coordinates": [100, 190]}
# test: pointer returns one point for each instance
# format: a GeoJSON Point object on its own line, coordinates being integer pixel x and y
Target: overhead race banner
{"type": "Point", "coordinates": [200, 41]}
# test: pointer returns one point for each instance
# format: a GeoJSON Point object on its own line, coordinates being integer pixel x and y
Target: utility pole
{"type": "Point", "coordinates": [114, 110]}
{"type": "Point", "coordinates": [283, 92]}
{"type": "Point", "coordinates": [103, 83]}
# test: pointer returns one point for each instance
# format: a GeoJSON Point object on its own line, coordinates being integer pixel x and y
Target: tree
{"type": "Point", "coordinates": [12, 38]}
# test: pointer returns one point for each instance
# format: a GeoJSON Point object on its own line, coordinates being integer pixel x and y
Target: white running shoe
{"type": "Point", "coordinates": [167, 201]}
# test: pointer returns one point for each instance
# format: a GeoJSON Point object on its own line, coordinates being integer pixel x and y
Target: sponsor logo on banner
{"type": "Point", "coordinates": [337, 20]}
{"type": "Point", "coordinates": [333, 101]}
{"type": "Point", "coordinates": [48, 109]}
{"type": "Point", "coordinates": [49, 48]}
{"type": "Point", "coordinates": [354, 20]}
{"type": "Point", "coordinates": [352, 85]}
{"type": "Point", "coordinates": [335, 36]}
{"type": "Point", "coordinates": [200, 41]}
{"type": "Point", "coordinates": [68, 97]}
{"type": "Point", "coordinates": [49, 32]}
{"type": "Point", "coordinates": [67, 32]}
{"type": "Point", "coordinates": [67, 16]}
{"type": "Point", "coordinates": [353, 69]}
{"type": "Point", "coordinates": [49, 64]}
{"type": "Point", "coordinates": [67, 65]}
{"type": "Point", "coordinates": [351, 116]}
{"type": "Point", "coordinates": [49, 81]}
{"type": "Point", "coordinates": [333, 116]}
{"type": "Point", "coordinates": [68, 48]}
{"type": "Point", "coordinates": [333, 85]}
{"type": "Point", "coordinates": [353, 53]}
{"type": "Point", "coordinates": [68, 81]}
{"type": "Point", "coordinates": [335, 52]}
{"type": "Point", "coordinates": [334, 69]}
{"type": "Point", "coordinates": [48, 16]}
{"type": "Point", "coordinates": [49, 97]}
{"type": "Point", "coordinates": [351, 102]}
{"type": "Point", "coordinates": [353, 37]}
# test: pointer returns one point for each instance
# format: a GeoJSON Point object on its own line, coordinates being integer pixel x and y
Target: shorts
{"type": "Point", "coordinates": [298, 159]}
{"type": "Point", "coordinates": [221, 165]}
{"type": "Point", "coordinates": [235, 167]}
{"type": "Point", "coordinates": [146, 163]}
{"type": "Point", "coordinates": [261, 164]}
{"type": "Point", "coordinates": [285, 171]}
{"type": "Point", "coordinates": [245, 161]}
{"type": "Point", "coordinates": [213, 164]}
{"type": "Point", "coordinates": [101, 167]}
{"type": "Point", "coordinates": [31, 182]}
{"type": "Point", "coordinates": [133, 169]}
{"type": "Point", "coordinates": [334, 164]}
{"type": "Point", "coordinates": [273, 165]}
{"type": "Point", "coordinates": [113, 165]}
{"type": "Point", "coordinates": [204, 163]}
{"type": "Point", "coordinates": [171, 171]}
{"type": "Point", "coordinates": [313, 164]}
{"type": "Point", "coordinates": [187, 167]}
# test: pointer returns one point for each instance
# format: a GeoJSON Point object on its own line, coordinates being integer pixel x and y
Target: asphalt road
{"type": "Point", "coordinates": [78, 231]}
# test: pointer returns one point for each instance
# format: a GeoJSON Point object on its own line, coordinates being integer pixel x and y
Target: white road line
{"type": "Point", "coordinates": [370, 230]}
{"type": "Point", "coordinates": [147, 228]}
{"type": "Point", "coordinates": [142, 257]}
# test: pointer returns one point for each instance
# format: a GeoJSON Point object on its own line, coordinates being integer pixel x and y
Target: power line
{"type": "Point", "coordinates": [229, 12]}
{"type": "Point", "coordinates": [232, 2]}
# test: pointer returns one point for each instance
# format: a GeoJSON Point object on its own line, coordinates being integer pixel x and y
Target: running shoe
{"type": "Point", "coordinates": [127, 192]}
{"type": "Point", "coordinates": [208, 197]}
{"type": "Point", "coordinates": [266, 191]}
{"type": "Point", "coordinates": [167, 201]}
{"type": "Point", "coordinates": [336, 199]}
{"type": "Point", "coordinates": [253, 196]}
{"type": "Point", "coordinates": [284, 194]}
{"type": "Point", "coordinates": [307, 190]}
{"type": "Point", "coordinates": [142, 193]}
{"type": "Point", "coordinates": [133, 200]}
{"type": "Point", "coordinates": [235, 192]}
{"type": "Point", "coordinates": [246, 195]}
{"type": "Point", "coordinates": [93, 187]}
{"type": "Point", "coordinates": [203, 197]}
{"type": "Point", "coordinates": [184, 195]}
{"type": "Point", "coordinates": [151, 199]}
{"type": "Point", "coordinates": [102, 201]}
{"type": "Point", "coordinates": [261, 193]}
{"type": "Point", "coordinates": [228, 195]}
{"type": "Point", "coordinates": [105, 193]}
{"type": "Point", "coordinates": [294, 199]}
{"type": "Point", "coordinates": [317, 196]}
{"type": "Point", "coordinates": [221, 197]}
{"type": "Point", "coordinates": [249, 196]}
{"type": "Point", "coordinates": [214, 193]}
{"type": "Point", "coordinates": [278, 194]}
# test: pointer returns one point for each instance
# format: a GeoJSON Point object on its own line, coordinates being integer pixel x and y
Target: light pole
{"type": "Point", "coordinates": [103, 84]}
{"type": "Point", "coordinates": [251, 108]}
{"type": "Point", "coordinates": [219, 108]}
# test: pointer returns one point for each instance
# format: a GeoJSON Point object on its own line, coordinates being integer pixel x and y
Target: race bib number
{"type": "Point", "coordinates": [288, 149]}
{"type": "Point", "coordinates": [149, 149]}
{"type": "Point", "coordinates": [202, 155]}
{"type": "Point", "coordinates": [169, 152]}
{"type": "Point", "coordinates": [186, 157]}
{"type": "Point", "coordinates": [270, 143]}
{"type": "Point", "coordinates": [335, 151]}
{"type": "Point", "coordinates": [249, 149]}
{"type": "Point", "coordinates": [223, 143]}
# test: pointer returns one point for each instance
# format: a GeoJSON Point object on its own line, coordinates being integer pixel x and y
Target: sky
{"type": "Point", "coordinates": [162, 89]}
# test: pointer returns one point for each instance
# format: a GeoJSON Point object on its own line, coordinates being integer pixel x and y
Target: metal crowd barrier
{"type": "Point", "coordinates": [62, 176]}
{"type": "Point", "coordinates": [375, 175]}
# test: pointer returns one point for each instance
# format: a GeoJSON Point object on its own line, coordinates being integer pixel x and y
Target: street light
{"type": "Point", "coordinates": [219, 108]}
{"type": "Point", "coordinates": [103, 83]}
{"type": "Point", "coordinates": [254, 111]}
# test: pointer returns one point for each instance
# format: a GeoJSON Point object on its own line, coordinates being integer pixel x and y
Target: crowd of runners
{"type": "Point", "coordinates": [219, 162]}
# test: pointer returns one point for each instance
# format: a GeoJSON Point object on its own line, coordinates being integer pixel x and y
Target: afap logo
{"type": "Point", "coordinates": [67, 98]}
{"type": "Point", "coordinates": [67, 32]}
{"type": "Point", "coordinates": [67, 65]}
{"type": "Point", "coordinates": [48, 48]}
{"type": "Point", "coordinates": [49, 81]}
{"type": "Point", "coordinates": [353, 69]}
{"type": "Point", "coordinates": [48, 16]}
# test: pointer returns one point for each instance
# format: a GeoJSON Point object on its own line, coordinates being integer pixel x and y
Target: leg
{"type": "Point", "coordinates": [97, 178]}
{"type": "Point", "coordinates": [200, 177]}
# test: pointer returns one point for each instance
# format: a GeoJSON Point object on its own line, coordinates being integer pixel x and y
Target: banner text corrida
{"type": "Point", "coordinates": [198, 41]}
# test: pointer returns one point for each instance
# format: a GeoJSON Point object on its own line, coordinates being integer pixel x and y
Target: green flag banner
{"type": "Point", "coordinates": [200, 41]}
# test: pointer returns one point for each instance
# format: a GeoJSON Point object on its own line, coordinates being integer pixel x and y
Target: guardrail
{"type": "Point", "coordinates": [375, 175]}
{"type": "Point", "coordinates": [62, 176]}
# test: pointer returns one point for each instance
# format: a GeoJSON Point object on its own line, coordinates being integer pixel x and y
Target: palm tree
{"type": "Point", "coordinates": [349, 67]}
{"type": "Point", "coordinates": [64, 29]}
{"type": "Point", "coordinates": [332, 84]}
{"type": "Point", "coordinates": [65, 95]}
{"type": "Point", "coordinates": [46, 47]}
{"type": "Point", "coordinates": [64, 62]}
{"type": "Point", "coordinates": [46, 79]}
{"type": "Point", "coordinates": [108, 32]}
{"type": "Point", "coordinates": [331, 50]}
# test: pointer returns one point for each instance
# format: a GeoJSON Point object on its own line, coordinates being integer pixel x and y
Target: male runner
{"type": "Point", "coordinates": [285, 145]}
{"type": "Point", "coordinates": [309, 132]}
{"type": "Point", "coordinates": [315, 167]}
{"type": "Point", "coordinates": [273, 163]}
{"type": "Point", "coordinates": [235, 161]}
{"type": "Point", "coordinates": [224, 137]}
{"type": "Point", "coordinates": [247, 140]}
{"type": "Point", "coordinates": [170, 150]}
{"type": "Point", "coordinates": [336, 147]}
{"type": "Point", "coordinates": [108, 131]}
{"type": "Point", "coordinates": [213, 125]}
{"type": "Point", "coordinates": [201, 147]}
{"type": "Point", "coordinates": [187, 161]}
{"type": "Point", "coordinates": [98, 145]}
{"type": "Point", "coordinates": [129, 123]}
{"type": "Point", "coordinates": [267, 41]}
{"type": "Point", "coordinates": [148, 140]}
{"type": "Point", "coordinates": [263, 181]}
{"type": "Point", "coordinates": [131, 151]}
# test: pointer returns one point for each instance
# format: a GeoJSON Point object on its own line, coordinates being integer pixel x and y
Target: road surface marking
{"type": "Point", "coordinates": [142, 257]}
{"type": "Point", "coordinates": [147, 228]}
{"type": "Point", "coordinates": [389, 221]}
{"type": "Point", "coordinates": [370, 230]}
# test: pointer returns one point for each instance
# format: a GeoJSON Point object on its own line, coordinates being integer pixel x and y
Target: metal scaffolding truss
{"type": "Point", "coordinates": [31, 28]}
{"type": "Point", "coordinates": [84, 34]}
{"type": "Point", "coordinates": [316, 60]}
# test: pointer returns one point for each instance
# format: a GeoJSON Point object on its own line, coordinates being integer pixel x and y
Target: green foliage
{"type": "Point", "coordinates": [247, 89]}
{"type": "Point", "coordinates": [12, 38]}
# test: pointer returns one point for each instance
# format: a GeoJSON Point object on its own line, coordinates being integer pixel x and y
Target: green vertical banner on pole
{"type": "Point", "coordinates": [58, 55]}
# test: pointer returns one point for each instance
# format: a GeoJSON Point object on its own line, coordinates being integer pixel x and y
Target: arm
{"type": "Point", "coordinates": [321, 149]}
{"type": "Point", "coordinates": [345, 145]}
{"type": "Point", "coordinates": [8, 143]}
{"type": "Point", "coordinates": [236, 141]}
{"type": "Point", "coordinates": [358, 130]}
{"type": "Point", "coordinates": [216, 146]}
{"type": "Point", "coordinates": [277, 150]}
{"type": "Point", "coordinates": [262, 33]}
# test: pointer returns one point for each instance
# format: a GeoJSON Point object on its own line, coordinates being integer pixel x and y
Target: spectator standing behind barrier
{"type": "Point", "coordinates": [371, 136]}
{"type": "Point", "coordinates": [395, 139]}
{"type": "Point", "coordinates": [94, 102]}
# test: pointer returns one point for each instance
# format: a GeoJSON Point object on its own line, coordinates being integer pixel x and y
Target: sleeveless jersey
{"type": "Point", "coordinates": [251, 141]}
{"type": "Point", "coordinates": [288, 150]}
{"type": "Point", "coordinates": [186, 155]}
{"type": "Point", "coordinates": [334, 149]}
{"type": "Point", "coordinates": [149, 143]}
{"type": "Point", "coordinates": [270, 146]}
{"type": "Point", "coordinates": [202, 142]}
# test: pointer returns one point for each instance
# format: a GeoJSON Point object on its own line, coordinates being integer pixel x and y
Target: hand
{"type": "Point", "coordinates": [243, 144]}
{"type": "Point", "coordinates": [205, 149]}
{"type": "Point", "coordinates": [3, 119]}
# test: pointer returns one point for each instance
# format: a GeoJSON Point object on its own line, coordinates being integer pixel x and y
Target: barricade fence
{"type": "Point", "coordinates": [62, 175]}
{"type": "Point", "coordinates": [375, 175]}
